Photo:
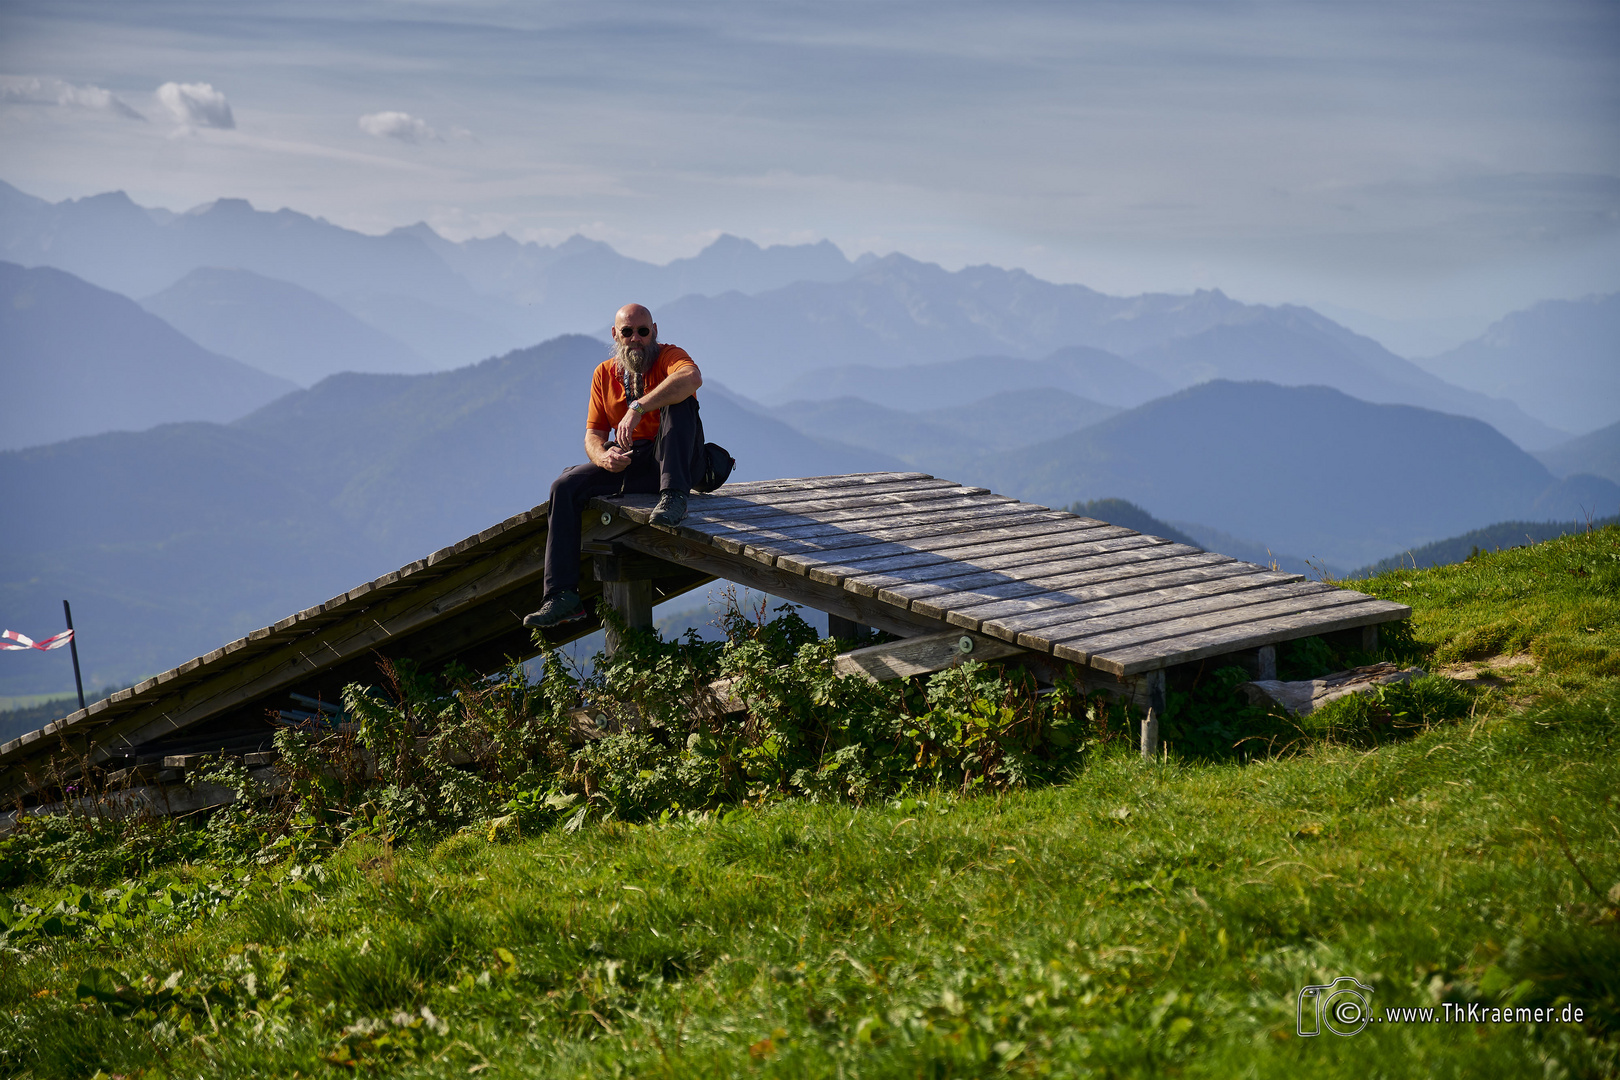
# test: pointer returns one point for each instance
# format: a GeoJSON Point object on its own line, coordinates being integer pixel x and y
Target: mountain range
{"type": "Point", "coordinates": [762, 320]}
{"type": "Point", "coordinates": [1309, 470]}
{"type": "Point", "coordinates": [898, 311]}
{"type": "Point", "coordinates": [1597, 453]}
{"type": "Point", "coordinates": [78, 360]}
{"type": "Point", "coordinates": [278, 327]}
{"type": "Point", "coordinates": [1559, 360]}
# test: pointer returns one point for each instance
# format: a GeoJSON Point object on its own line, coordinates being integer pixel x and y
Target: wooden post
{"type": "Point", "coordinates": [848, 629]}
{"type": "Point", "coordinates": [1369, 638]}
{"type": "Point", "coordinates": [73, 647]}
{"type": "Point", "coordinates": [1267, 668]}
{"type": "Point", "coordinates": [633, 601]}
{"type": "Point", "coordinates": [1150, 723]}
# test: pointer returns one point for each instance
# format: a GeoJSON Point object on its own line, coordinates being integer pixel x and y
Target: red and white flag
{"type": "Point", "coordinates": [11, 641]}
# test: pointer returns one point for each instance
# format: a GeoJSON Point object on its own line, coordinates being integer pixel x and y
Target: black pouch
{"type": "Point", "coordinates": [717, 466]}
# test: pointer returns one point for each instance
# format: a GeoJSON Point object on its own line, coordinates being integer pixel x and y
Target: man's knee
{"type": "Point", "coordinates": [575, 486]}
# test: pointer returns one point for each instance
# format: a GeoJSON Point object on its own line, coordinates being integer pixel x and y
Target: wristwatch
{"type": "Point", "coordinates": [638, 406]}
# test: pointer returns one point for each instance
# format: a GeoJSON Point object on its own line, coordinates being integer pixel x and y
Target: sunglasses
{"type": "Point", "coordinates": [633, 331]}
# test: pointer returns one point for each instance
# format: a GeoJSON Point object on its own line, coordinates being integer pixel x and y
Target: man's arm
{"type": "Point", "coordinates": [679, 385]}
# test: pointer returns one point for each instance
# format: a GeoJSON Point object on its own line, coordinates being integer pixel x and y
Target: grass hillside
{"type": "Point", "coordinates": [1124, 919]}
{"type": "Point", "coordinates": [1508, 534]}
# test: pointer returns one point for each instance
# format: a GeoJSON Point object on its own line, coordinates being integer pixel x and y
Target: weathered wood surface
{"type": "Point", "coordinates": [921, 655]}
{"type": "Point", "coordinates": [914, 550]}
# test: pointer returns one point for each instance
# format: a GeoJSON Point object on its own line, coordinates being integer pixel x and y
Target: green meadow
{"type": "Point", "coordinates": [1452, 848]}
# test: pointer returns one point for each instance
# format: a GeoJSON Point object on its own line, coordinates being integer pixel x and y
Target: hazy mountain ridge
{"type": "Point", "coordinates": [949, 439]}
{"type": "Point", "coordinates": [450, 302]}
{"type": "Point", "coordinates": [1596, 453]}
{"type": "Point", "coordinates": [278, 327]}
{"type": "Point", "coordinates": [1557, 359]}
{"type": "Point", "coordinates": [1088, 373]}
{"type": "Point", "coordinates": [761, 319]}
{"type": "Point", "coordinates": [1309, 470]}
{"type": "Point", "coordinates": [79, 360]}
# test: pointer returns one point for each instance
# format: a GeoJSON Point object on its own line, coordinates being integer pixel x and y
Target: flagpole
{"type": "Point", "coordinates": [73, 644]}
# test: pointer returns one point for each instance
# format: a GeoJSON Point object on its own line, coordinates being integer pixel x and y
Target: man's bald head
{"type": "Point", "coordinates": [633, 316]}
{"type": "Point", "coordinates": [635, 339]}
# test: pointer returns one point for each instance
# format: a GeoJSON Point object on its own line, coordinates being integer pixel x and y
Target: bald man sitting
{"type": "Point", "coordinates": [642, 434]}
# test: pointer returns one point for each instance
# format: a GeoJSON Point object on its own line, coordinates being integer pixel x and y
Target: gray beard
{"type": "Point", "coordinates": [635, 361]}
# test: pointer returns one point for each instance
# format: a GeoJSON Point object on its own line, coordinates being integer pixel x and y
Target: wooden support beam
{"type": "Point", "coordinates": [768, 579]}
{"type": "Point", "coordinates": [633, 601]}
{"type": "Point", "coordinates": [1266, 668]}
{"type": "Point", "coordinates": [846, 629]}
{"type": "Point", "coordinates": [921, 655]}
{"type": "Point", "coordinates": [1369, 639]}
{"type": "Point", "coordinates": [1150, 723]}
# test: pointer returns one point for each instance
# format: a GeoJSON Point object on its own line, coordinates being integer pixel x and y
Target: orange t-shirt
{"type": "Point", "coordinates": [608, 403]}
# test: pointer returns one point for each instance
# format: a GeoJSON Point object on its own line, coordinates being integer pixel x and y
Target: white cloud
{"type": "Point", "coordinates": [196, 104]}
{"type": "Point", "coordinates": [29, 90]}
{"type": "Point", "coordinates": [397, 125]}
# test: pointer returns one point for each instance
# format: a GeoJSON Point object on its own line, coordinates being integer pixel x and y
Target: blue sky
{"type": "Point", "coordinates": [1415, 169]}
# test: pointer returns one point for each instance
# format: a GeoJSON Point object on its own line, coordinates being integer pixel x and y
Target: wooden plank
{"type": "Point", "coordinates": [755, 487]}
{"type": "Point", "coordinates": [882, 556]}
{"type": "Point", "coordinates": [723, 504]}
{"type": "Point", "coordinates": [825, 517]}
{"type": "Point", "coordinates": [1044, 614]}
{"type": "Point", "coordinates": [1009, 576]}
{"type": "Point", "coordinates": [961, 546]}
{"type": "Point", "coordinates": [730, 502]}
{"type": "Point", "coordinates": [858, 529]}
{"type": "Point", "coordinates": [988, 521]}
{"type": "Point", "coordinates": [887, 521]}
{"type": "Point", "coordinates": [1200, 566]}
{"type": "Point", "coordinates": [1204, 644]}
{"type": "Point", "coordinates": [638, 508]}
{"type": "Point", "coordinates": [808, 510]}
{"type": "Point", "coordinates": [693, 553]}
{"type": "Point", "coordinates": [1116, 594]}
{"type": "Point", "coordinates": [869, 577]}
{"type": "Point", "coordinates": [1086, 622]}
{"type": "Point", "coordinates": [1123, 560]}
{"type": "Point", "coordinates": [920, 655]}
{"type": "Point", "coordinates": [985, 554]}
{"type": "Point", "coordinates": [1107, 639]}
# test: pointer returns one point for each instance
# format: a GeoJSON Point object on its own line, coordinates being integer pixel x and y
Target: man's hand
{"type": "Point", "coordinates": [603, 455]}
{"type": "Point", "coordinates": [627, 427]}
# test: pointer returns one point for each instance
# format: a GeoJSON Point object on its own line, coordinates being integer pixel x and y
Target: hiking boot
{"type": "Point", "coordinates": [670, 510]}
{"type": "Point", "coordinates": [565, 607]}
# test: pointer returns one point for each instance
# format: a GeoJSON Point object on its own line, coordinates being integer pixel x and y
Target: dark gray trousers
{"type": "Point", "coordinates": [669, 463]}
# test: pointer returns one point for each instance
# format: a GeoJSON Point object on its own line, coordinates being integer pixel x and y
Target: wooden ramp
{"type": "Point", "coordinates": [903, 552]}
